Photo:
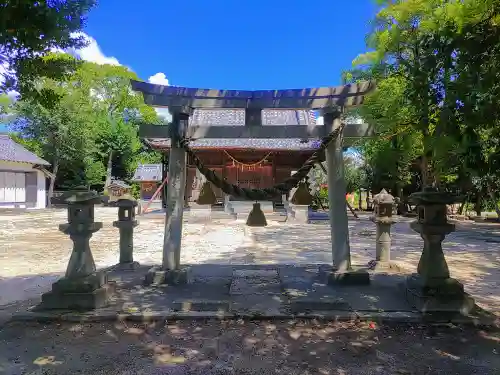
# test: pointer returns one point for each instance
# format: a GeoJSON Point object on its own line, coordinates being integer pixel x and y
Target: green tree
{"type": "Point", "coordinates": [30, 28]}
{"type": "Point", "coordinates": [445, 55]}
{"type": "Point", "coordinates": [92, 124]}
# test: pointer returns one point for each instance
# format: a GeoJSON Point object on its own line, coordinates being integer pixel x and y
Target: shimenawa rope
{"type": "Point", "coordinates": [265, 193]}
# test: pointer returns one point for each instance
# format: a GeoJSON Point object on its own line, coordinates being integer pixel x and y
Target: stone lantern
{"type": "Point", "coordinates": [383, 209]}
{"type": "Point", "coordinates": [82, 287]}
{"type": "Point", "coordinates": [432, 289]}
{"type": "Point", "coordinates": [126, 223]}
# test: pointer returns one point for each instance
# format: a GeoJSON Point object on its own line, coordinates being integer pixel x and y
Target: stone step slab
{"type": "Point", "coordinates": [201, 305]}
{"type": "Point", "coordinates": [255, 282]}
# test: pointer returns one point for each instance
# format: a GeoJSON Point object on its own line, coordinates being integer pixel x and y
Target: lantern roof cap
{"type": "Point", "coordinates": [430, 195]}
{"type": "Point", "coordinates": [80, 197]}
{"type": "Point", "coordinates": [126, 202]}
{"type": "Point", "coordinates": [383, 197]}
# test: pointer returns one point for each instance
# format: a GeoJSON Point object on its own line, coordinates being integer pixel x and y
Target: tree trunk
{"type": "Point", "coordinates": [477, 205]}
{"type": "Point", "coordinates": [462, 207]}
{"type": "Point", "coordinates": [52, 183]}
{"type": "Point", "coordinates": [495, 199]}
{"type": "Point", "coordinates": [109, 170]}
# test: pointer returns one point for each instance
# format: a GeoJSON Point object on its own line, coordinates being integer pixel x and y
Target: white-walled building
{"type": "Point", "coordinates": [22, 176]}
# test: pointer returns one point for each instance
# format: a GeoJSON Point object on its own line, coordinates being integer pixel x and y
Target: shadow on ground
{"type": "Point", "coordinates": [472, 253]}
{"type": "Point", "coordinates": [246, 347]}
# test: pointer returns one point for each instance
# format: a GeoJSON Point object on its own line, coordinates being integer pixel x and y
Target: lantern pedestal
{"type": "Point", "coordinates": [158, 276]}
{"type": "Point", "coordinates": [127, 244]}
{"type": "Point", "coordinates": [126, 223]}
{"type": "Point", "coordinates": [82, 288]}
{"type": "Point", "coordinates": [383, 210]}
{"type": "Point", "coordinates": [441, 296]}
{"type": "Point", "coordinates": [349, 277]}
{"type": "Point", "coordinates": [431, 289]}
{"type": "Point", "coordinates": [382, 262]}
{"type": "Point", "coordinates": [82, 293]}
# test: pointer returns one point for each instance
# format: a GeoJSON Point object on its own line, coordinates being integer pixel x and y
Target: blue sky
{"type": "Point", "coordinates": [232, 44]}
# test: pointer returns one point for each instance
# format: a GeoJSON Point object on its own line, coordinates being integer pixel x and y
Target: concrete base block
{"type": "Point", "coordinates": [349, 277]}
{"type": "Point", "coordinates": [297, 214]}
{"type": "Point", "coordinates": [158, 276]}
{"type": "Point", "coordinates": [200, 211]}
{"type": "Point", "coordinates": [201, 305]}
{"type": "Point", "coordinates": [307, 305]}
{"type": "Point", "coordinates": [81, 301]}
{"type": "Point", "coordinates": [381, 266]}
{"type": "Point", "coordinates": [132, 266]}
{"type": "Point", "coordinates": [86, 284]}
{"type": "Point", "coordinates": [448, 296]}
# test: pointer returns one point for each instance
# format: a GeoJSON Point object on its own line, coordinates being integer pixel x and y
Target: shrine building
{"type": "Point", "coordinates": [246, 162]}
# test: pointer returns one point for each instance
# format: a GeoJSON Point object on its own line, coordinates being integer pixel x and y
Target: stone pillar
{"type": "Point", "coordinates": [432, 289]}
{"type": "Point", "coordinates": [171, 271]}
{"type": "Point", "coordinates": [384, 204]}
{"type": "Point", "coordinates": [82, 287]}
{"type": "Point", "coordinates": [339, 226]}
{"type": "Point", "coordinates": [126, 223]}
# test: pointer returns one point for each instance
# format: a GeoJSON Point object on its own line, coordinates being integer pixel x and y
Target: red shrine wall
{"type": "Point", "coordinates": [252, 169]}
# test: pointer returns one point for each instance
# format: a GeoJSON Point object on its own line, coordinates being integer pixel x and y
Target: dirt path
{"type": "Point", "coordinates": [237, 347]}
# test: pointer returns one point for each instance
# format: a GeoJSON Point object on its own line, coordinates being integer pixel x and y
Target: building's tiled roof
{"type": "Point", "coordinates": [12, 151]}
{"type": "Point", "coordinates": [292, 144]}
{"type": "Point", "coordinates": [120, 184]}
{"type": "Point", "coordinates": [214, 117]}
{"type": "Point", "coordinates": [148, 172]}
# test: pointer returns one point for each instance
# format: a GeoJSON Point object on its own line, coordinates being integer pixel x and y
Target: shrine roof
{"type": "Point", "coordinates": [147, 172]}
{"type": "Point", "coordinates": [236, 117]}
{"type": "Point", "coordinates": [119, 184]}
{"type": "Point", "coordinates": [12, 151]}
{"type": "Point", "coordinates": [284, 144]}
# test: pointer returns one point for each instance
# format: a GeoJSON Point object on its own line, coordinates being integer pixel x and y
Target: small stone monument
{"type": "Point", "coordinates": [298, 208]}
{"type": "Point", "coordinates": [383, 209]}
{"type": "Point", "coordinates": [431, 289]}
{"type": "Point", "coordinates": [126, 223]}
{"type": "Point", "coordinates": [82, 287]}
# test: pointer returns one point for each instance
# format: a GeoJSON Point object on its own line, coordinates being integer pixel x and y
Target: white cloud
{"type": "Point", "coordinates": [163, 112]}
{"type": "Point", "coordinates": [93, 53]}
{"type": "Point", "coordinates": [159, 79]}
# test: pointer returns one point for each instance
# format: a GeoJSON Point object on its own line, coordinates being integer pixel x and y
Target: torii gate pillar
{"type": "Point", "coordinates": [339, 227]}
{"type": "Point", "coordinates": [171, 271]}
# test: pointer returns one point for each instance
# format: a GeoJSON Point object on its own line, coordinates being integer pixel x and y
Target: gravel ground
{"type": "Point", "coordinates": [35, 254]}
{"type": "Point", "coordinates": [242, 347]}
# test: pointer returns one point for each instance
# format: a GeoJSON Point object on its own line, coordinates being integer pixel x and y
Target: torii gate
{"type": "Point", "coordinates": [183, 101]}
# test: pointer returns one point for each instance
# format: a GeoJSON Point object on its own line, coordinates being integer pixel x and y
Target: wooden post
{"type": "Point", "coordinates": [177, 170]}
{"type": "Point", "coordinates": [339, 226]}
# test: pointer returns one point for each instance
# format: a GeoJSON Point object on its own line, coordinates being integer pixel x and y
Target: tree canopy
{"type": "Point", "coordinates": [91, 130]}
{"type": "Point", "coordinates": [436, 64]}
{"type": "Point", "coordinates": [31, 28]}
